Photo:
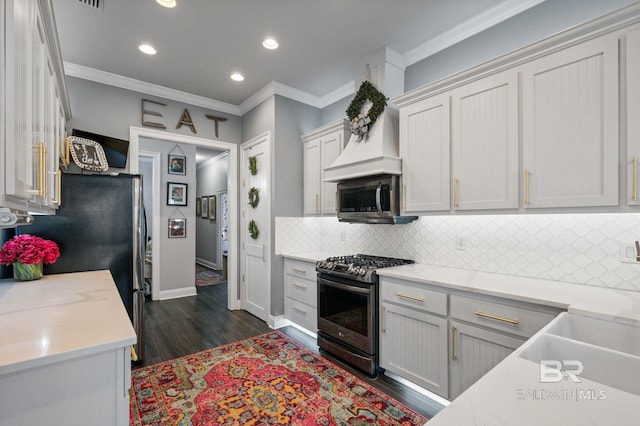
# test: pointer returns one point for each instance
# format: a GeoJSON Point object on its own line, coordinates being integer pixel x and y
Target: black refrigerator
{"type": "Point", "coordinates": [100, 225]}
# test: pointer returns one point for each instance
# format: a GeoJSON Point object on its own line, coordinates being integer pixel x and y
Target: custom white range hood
{"type": "Point", "coordinates": [377, 154]}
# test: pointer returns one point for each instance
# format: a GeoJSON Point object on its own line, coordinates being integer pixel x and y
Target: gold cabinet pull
{"type": "Point", "coordinates": [456, 184]}
{"type": "Point", "coordinates": [134, 355]}
{"type": "Point", "coordinates": [58, 191]}
{"type": "Point", "coordinates": [383, 319]}
{"type": "Point", "coordinates": [317, 203]}
{"type": "Point", "coordinates": [300, 271]}
{"type": "Point", "coordinates": [300, 286]}
{"type": "Point", "coordinates": [406, 296]}
{"type": "Point", "coordinates": [453, 343]}
{"type": "Point", "coordinates": [634, 181]}
{"type": "Point", "coordinates": [300, 311]}
{"type": "Point", "coordinates": [495, 317]}
{"type": "Point", "coordinates": [66, 151]}
{"type": "Point", "coordinates": [526, 187]}
{"type": "Point", "coordinates": [41, 171]}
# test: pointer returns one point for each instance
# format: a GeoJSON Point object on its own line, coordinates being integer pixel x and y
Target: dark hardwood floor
{"type": "Point", "coordinates": [178, 327]}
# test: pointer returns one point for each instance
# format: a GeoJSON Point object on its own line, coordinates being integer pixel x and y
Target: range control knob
{"type": "Point", "coordinates": [362, 272]}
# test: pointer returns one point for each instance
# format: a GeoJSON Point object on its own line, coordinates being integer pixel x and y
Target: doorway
{"type": "Point", "coordinates": [135, 134]}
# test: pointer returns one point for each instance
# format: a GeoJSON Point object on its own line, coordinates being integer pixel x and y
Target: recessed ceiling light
{"type": "Point", "coordinates": [167, 3]}
{"type": "Point", "coordinates": [270, 43]}
{"type": "Point", "coordinates": [236, 76]}
{"type": "Point", "coordinates": [147, 48]}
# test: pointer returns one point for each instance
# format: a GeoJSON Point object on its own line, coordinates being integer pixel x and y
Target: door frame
{"type": "Point", "coordinates": [135, 133]}
{"type": "Point", "coordinates": [155, 208]}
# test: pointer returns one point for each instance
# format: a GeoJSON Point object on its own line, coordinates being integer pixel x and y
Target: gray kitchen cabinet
{"type": "Point", "coordinates": [425, 151]}
{"type": "Point", "coordinates": [413, 334]}
{"type": "Point", "coordinates": [321, 147]}
{"type": "Point", "coordinates": [632, 85]}
{"type": "Point", "coordinates": [34, 107]}
{"type": "Point", "coordinates": [301, 296]}
{"type": "Point", "coordinates": [570, 126]}
{"type": "Point", "coordinates": [484, 143]}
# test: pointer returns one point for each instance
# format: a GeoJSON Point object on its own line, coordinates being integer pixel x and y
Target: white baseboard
{"type": "Point", "coordinates": [177, 292]}
{"type": "Point", "coordinates": [207, 263]}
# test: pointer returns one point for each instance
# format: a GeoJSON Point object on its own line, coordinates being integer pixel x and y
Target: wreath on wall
{"type": "Point", "coordinates": [253, 165]}
{"type": "Point", "coordinates": [253, 230]}
{"type": "Point", "coordinates": [254, 197]}
{"type": "Point", "coordinates": [360, 122]}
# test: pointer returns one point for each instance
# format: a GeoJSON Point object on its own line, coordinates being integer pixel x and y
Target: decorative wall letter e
{"type": "Point", "coordinates": [157, 114]}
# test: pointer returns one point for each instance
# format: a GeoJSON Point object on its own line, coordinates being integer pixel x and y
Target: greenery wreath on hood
{"type": "Point", "coordinates": [360, 122]}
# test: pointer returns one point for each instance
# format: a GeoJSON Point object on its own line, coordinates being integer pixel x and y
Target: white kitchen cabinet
{"type": "Point", "coordinates": [33, 98]}
{"type": "Point", "coordinates": [475, 351]}
{"type": "Point", "coordinates": [301, 296]}
{"type": "Point", "coordinates": [425, 152]}
{"type": "Point", "coordinates": [570, 127]}
{"type": "Point", "coordinates": [632, 84]}
{"type": "Point", "coordinates": [321, 147]}
{"type": "Point", "coordinates": [484, 143]}
{"type": "Point", "coordinates": [413, 334]}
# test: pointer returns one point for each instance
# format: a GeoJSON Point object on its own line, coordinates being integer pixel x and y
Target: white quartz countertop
{"type": "Point", "coordinates": [603, 303]}
{"type": "Point", "coordinates": [60, 317]}
{"type": "Point", "coordinates": [310, 256]}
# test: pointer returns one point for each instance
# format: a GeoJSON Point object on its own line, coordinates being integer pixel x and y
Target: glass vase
{"type": "Point", "coordinates": [25, 272]}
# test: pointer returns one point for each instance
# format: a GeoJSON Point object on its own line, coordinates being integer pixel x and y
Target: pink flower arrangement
{"type": "Point", "coordinates": [30, 250]}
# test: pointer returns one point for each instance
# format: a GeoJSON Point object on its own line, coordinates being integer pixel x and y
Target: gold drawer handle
{"type": "Point", "coordinates": [406, 296]}
{"type": "Point", "coordinates": [300, 271]}
{"type": "Point", "coordinates": [495, 317]}
{"type": "Point", "coordinates": [303, 287]}
{"type": "Point", "coordinates": [634, 183]}
{"type": "Point", "coordinates": [453, 343]}
{"type": "Point", "coordinates": [300, 311]}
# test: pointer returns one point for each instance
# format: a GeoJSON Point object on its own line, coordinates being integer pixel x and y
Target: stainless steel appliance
{"type": "Point", "coordinates": [348, 307]}
{"type": "Point", "coordinates": [100, 225]}
{"type": "Point", "coordinates": [373, 199]}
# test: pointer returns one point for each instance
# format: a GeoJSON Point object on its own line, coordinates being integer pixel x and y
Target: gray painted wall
{"type": "Point", "coordinates": [211, 179]}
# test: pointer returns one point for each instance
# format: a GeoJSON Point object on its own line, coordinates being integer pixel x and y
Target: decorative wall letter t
{"type": "Point", "coordinates": [185, 118]}
{"type": "Point", "coordinates": [216, 119]}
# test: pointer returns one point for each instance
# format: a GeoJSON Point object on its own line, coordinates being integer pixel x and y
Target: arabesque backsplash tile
{"type": "Point", "coordinates": [578, 248]}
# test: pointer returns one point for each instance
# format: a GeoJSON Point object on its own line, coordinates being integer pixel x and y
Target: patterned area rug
{"type": "Point", "coordinates": [205, 276]}
{"type": "Point", "coordinates": [266, 380]}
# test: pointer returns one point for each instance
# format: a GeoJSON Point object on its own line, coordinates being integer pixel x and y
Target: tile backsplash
{"type": "Point", "coordinates": [590, 249]}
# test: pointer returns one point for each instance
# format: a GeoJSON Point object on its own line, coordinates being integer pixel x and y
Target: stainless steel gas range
{"type": "Point", "coordinates": [348, 307]}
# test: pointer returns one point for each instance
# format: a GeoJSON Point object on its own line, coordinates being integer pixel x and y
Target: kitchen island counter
{"type": "Point", "coordinates": [64, 351]}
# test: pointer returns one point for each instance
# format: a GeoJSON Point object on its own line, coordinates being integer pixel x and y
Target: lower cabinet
{"type": "Point", "coordinates": [301, 298]}
{"type": "Point", "coordinates": [475, 351]}
{"type": "Point", "coordinates": [445, 340]}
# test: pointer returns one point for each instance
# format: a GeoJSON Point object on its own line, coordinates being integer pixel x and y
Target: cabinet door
{"type": "Point", "coordinates": [331, 146]}
{"type": "Point", "coordinates": [633, 112]}
{"type": "Point", "coordinates": [414, 345]}
{"type": "Point", "coordinates": [312, 173]}
{"type": "Point", "coordinates": [485, 143]}
{"type": "Point", "coordinates": [424, 149]}
{"type": "Point", "coordinates": [475, 351]}
{"type": "Point", "coordinates": [570, 127]}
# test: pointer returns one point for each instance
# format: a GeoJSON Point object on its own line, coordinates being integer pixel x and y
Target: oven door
{"type": "Point", "coordinates": [346, 312]}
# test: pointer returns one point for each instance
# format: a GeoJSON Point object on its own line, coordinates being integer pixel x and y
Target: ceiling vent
{"type": "Point", "coordinates": [93, 4]}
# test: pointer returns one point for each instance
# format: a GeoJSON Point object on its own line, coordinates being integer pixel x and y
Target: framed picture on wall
{"type": "Point", "coordinates": [177, 228]}
{"type": "Point", "coordinates": [212, 207]}
{"type": "Point", "coordinates": [204, 207]}
{"type": "Point", "coordinates": [176, 194]}
{"type": "Point", "coordinates": [177, 165]}
{"type": "Point", "coordinates": [198, 207]}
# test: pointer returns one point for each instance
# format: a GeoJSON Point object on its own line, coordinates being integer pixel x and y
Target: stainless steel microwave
{"type": "Point", "coordinates": [372, 199]}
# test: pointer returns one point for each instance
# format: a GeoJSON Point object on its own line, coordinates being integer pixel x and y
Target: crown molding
{"type": "Point", "coordinates": [469, 28]}
{"type": "Point", "coordinates": [103, 77]}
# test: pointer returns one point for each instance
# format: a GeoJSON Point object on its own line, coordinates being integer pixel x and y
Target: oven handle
{"type": "Point", "coordinates": [345, 287]}
{"type": "Point", "coordinates": [378, 201]}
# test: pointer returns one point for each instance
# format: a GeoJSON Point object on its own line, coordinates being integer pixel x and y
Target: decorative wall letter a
{"type": "Point", "coordinates": [185, 118]}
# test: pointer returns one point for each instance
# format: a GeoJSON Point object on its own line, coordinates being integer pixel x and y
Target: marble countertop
{"type": "Point", "coordinates": [310, 256]}
{"type": "Point", "coordinates": [60, 317]}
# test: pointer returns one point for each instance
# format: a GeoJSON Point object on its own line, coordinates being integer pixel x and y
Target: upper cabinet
{"type": "Point", "coordinates": [321, 147]}
{"type": "Point", "coordinates": [570, 127]}
{"type": "Point", "coordinates": [425, 150]}
{"type": "Point", "coordinates": [484, 148]}
{"type": "Point", "coordinates": [633, 112]}
{"type": "Point", "coordinates": [34, 107]}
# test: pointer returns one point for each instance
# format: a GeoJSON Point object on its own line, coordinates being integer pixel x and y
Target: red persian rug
{"type": "Point", "coordinates": [205, 277]}
{"type": "Point", "coordinates": [266, 380]}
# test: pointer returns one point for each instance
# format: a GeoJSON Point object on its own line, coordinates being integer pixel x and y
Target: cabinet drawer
{"type": "Point", "coordinates": [517, 320]}
{"type": "Point", "coordinates": [412, 295]}
{"type": "Point", "coordinates": [301, 314]}
{"type": "Point", "coordinates": [300, 268]}
{"type": "Point", "coordinates": [302, 290]}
